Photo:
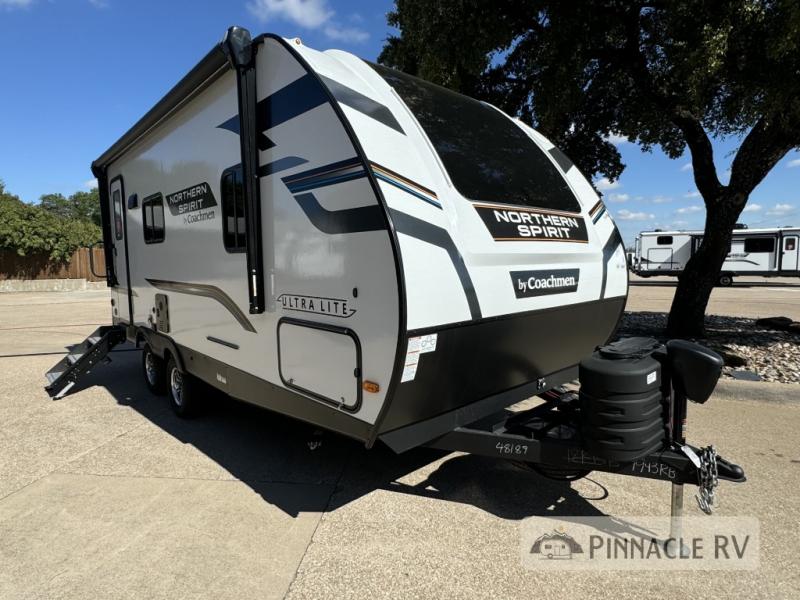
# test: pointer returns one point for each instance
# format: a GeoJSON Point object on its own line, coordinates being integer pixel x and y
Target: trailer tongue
{"type": "Point", "coordinates": [634, 427]}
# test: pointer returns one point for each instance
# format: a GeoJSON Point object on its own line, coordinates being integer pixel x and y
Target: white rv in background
{"type": "Point", "coordinates": [765, 252]}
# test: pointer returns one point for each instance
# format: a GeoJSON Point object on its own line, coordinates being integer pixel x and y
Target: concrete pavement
{"type": "Point", "coordinates": [753, 297]}
{"type": "Point", "coordinates": [105, 494]}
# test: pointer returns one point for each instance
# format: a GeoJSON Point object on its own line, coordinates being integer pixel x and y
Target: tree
{"type": "Point", "coordinates": [674, 74]}
{"type": "Point", "coordinates": [80, 206]}
{"type": "Point", "coordinates": [30, 229]}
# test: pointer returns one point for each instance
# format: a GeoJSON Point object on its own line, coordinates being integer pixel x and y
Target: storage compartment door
{"type": "Point", "coordinates": [321, 360]}
{"type": "Point", "coordinates": [660, 258]}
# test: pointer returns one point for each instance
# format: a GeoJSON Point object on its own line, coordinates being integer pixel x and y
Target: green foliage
{"type": "Point", "coordinates": [80, 206]}
{"type": "Point", "coordinates": [656, 72]}
{"type": "Point", "coordinates": [30, 229]}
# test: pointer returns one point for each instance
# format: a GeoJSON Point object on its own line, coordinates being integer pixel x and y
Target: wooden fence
{"type": "Point", "coordinates": [40, 266]}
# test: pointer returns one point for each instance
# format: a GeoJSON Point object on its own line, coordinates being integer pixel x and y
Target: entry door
{"type": "Point", "coordinates": [791, 248]}
{"type": "Point", "coordinates": [119, 293]}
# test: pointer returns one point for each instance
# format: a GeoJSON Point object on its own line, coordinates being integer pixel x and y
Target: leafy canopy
{"type": "Point", "coordinates": [80, 206]}
{"type": "Point", "coordinates": [660, 72]}
{"type": "Point", "coordinates": [42, 229]}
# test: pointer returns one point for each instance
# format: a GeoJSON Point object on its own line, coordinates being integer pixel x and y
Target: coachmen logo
{"type": "Point", "coordinates": [532, 225]}
{"type": "Point", "coordinates": [528, 284]}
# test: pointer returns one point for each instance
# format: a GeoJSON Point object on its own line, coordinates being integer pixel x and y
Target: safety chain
{"type": "Point", "coordinates": [707, 475]}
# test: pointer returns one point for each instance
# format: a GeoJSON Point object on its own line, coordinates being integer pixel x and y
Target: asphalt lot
{"type": "Point", "coordinates": [105, 494]}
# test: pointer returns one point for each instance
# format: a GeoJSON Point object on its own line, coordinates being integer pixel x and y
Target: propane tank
{"type": "Point", "coordinates": [623, 404]}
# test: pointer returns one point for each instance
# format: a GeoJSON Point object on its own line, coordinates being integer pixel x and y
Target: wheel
{"type": "Point", "coordinates": [154, 370]}
{"type": "Point", "coordinates": [725, 280]}
{"type": "Point", "coordinates": [182, 391]}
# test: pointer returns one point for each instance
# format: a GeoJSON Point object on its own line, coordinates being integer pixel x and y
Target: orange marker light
{"type": "Point", "coordinates": [371, 387]}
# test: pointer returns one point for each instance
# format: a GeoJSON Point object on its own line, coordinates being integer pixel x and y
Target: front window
{"type": "Point", "coordinates": [488, 156]}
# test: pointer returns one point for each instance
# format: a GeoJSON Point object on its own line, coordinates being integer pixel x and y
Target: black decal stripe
{"type": "Point", "coordinates": [324, 169]}
{"type": "Point", "coordinates": [432, 234]}
{"type": "Point", "coordinates": [289, 102]}
{"type": "Point", "coordinates": [287, 162]}
{"type": "Point", "coordinates": [561, 159]}
{"type": "Point", "coordinates": [614, 240]}
{"type": "Point", "coordinates": [361, 103]}
{"type": "Point", "coordinates": [206, 291]}
{"type": "Point", "coordinates": [595, 208]}
{"type": "Point", "coordinates": [348, 220]}
{"type": "Point", "coordinates": [599, 214]}
{"type": "Point", "coordinates": [338, 172]}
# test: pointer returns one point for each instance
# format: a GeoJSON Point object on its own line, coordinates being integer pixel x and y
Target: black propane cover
{"type": "Point", "coordinates": [624, 410]}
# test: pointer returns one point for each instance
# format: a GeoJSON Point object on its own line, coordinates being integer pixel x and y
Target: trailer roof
{"type": "Point", "coordinates": [735, 231]}
{"type": "Point", "coordinates": [206, 71]}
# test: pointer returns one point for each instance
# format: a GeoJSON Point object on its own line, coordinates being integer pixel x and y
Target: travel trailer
{"type": "Point", "coordinates": [766, 252]}
{"type": "Point", "coordinates": [373, 254]}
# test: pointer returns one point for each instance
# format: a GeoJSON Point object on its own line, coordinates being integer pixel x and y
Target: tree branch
{"type": "Point", "coordinates": [705, 172]}
{"type": "Point", "coordinates": [767, 142]}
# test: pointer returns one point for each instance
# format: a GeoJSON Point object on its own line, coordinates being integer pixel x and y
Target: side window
{"type": "Point", "coordinates": [117, 201]}
{"type": "Point", "coordinates": [759, 245]}
{"type": "Point", "coordinates": [153, 219]}
{"type": "Point", "coordinates": [234, 231]}
{"type": "Point", "coordinates": [664, 240]}
{"type": "Point", "coordinates": [790, 243]}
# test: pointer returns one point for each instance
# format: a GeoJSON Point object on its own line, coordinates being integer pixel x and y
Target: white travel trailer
{"type": "Point", "coordinates": [376, 255]}
{"type": "Point", "coordinates": [766, 252]}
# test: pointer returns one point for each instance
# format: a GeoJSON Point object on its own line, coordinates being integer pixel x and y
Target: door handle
{"type": "Point", "coordinates": [91, 261]}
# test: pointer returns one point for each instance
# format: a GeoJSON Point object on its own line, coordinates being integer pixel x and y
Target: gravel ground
{"type": "Point", "coordinates": [772, 355]}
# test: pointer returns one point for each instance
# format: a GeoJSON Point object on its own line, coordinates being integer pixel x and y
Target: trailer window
{"type": "Point", "coordinates": [790, 243]}
{"type": "Point", "coordinates": [486, 154]}
{"type": "Point", "coordinates": [153, 219]}
{"type": "Point", "coordinates": [759, 245]}
{"type": "Point", "coordinates": [117, 201]}
{"type": "Point", "coordinates": [664, 240]}
{"type": "Point", "coordinates": [234, 232]}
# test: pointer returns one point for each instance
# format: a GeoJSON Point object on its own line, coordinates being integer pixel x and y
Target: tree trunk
{"type": "Point", "coordinates": [697, 281]}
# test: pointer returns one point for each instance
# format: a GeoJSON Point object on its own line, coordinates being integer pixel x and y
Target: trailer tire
{"type": "Point", "coordinates": [154, 371]}
{"type": "Point", "coordinates": [182, 390]}
{"type": "Point", "coordinates": [726, 280]}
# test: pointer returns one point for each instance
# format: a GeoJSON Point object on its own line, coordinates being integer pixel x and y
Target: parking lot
{"type": "Point", "coordinates": [106, 494]}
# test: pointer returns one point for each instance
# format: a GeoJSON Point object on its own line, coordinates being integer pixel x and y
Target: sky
{"type": "Point", "coordinates": [76, 74]}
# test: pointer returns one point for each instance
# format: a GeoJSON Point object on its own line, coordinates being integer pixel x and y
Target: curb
{"type": "Point", "coordinates": [49, 285]}
{"type": "Point", "coordinates": [758, 391]}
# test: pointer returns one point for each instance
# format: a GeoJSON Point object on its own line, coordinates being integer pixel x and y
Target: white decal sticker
{"type": "Point", "coordinates": [409, 372]}
{"type": "Point", "coordinates": [651, 377]}
{"type": "Point", "coordinates": [415, 348]}
{"type": "Point", "coordinates": [427, 343]}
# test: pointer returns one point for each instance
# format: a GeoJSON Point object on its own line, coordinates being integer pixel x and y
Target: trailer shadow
{"type": "Point", "coordinates": [267, 451]}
